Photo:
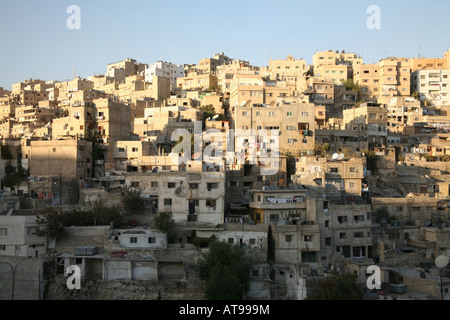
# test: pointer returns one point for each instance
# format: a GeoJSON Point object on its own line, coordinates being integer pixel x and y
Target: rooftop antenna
{"type": "Point", "coordinates": [74, 72]}
{"type": "Point", "coordinates": [420, 49]}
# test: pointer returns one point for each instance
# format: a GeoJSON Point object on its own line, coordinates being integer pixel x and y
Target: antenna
{"type": "Point", "coordinates": [420, 49]}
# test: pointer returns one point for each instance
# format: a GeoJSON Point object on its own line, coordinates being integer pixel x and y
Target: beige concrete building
{"type": "Point", "coordinates": [246, 90]}
{"type": "Point", "coordinates": [68, 159]}
{"type": "Point", "coordinates": [197, 81]}
{"type": "Point", "coordinates": [332, 178]}
{"type": "Point", "coordinates": [294, 121]}
{"type": "Point", "coordinates": [193, 197]}
{"type": "Point", "coordinates": [368, 116]}
{"type": "Point", "coordinates": [432, 63]}
{"type": "Point", "coordinates": [403, 111]}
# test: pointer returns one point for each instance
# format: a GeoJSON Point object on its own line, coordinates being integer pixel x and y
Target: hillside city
{"type": "Point", "coordinates": [312, 169]}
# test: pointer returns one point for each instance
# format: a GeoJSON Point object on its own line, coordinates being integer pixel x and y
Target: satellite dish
{"type": "Point", "coordinates": [341, 156]}
{"type": "Point", "coordinates": [441, 261]}
{"type": "Point", "coordinates": [215, 117]}
{"type": "Point", "coordinates": [335, 156]}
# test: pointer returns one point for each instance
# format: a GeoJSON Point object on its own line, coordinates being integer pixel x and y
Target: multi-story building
{"type": "Point", "coordinates": [18, 236]}
{"type": "Point", "coordinates": [294, 121]}
{"type": "Point", "coordinates": [68, 159]}
{"type": "Point", "coordinates": [197, 81]}
{"type": "Point", "coordinates": [166, 70]}
{"type": "Point", "coordinates": [194, 197]}
{"type": "Point", "coordinates": [432, 84]}
{"type": "Point", "coordinates": [431, 63]}
{"type": "Point", "coordinates": [272, 204]}
{"type": "Point", "coordinates": [368, 116]}
{"type": "Point", "coordinates": [403, 111]}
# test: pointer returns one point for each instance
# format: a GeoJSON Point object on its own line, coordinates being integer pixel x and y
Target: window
{"type": "Point", "coordinates": [353, 169]}
{"type": "Point", "coordinates": [135, 149]}
{"type": "Point", "coordinates": [334, 170]}
{"type": "Point", "coordinates": [342, 219]}
{"type": "Point", "coordinates": [167, 202]}
{"type": "Point", "coordinates": [135, 184]}
{"type": "Point", "coordinates": [351, 185]}
{"type": "Point", "coordinates": [193, 185]}
{"type": "Point", "coordinates": [255, 272]}
{"type": "Point", "coordinates": [271, 114]}
{"type": "Point", "coordinates": [211, 204]}
{"type": "Point", "coordinates": [212, 186]}
{"type": "Point", "coordinates": [171, 185]}
{"type": "Point", "coordinates": [151, 240]}
{"type": "Point", "coordinates": [358, 218]}
{"type": "Point", "coordinates": [154, 184]}
{"type": "Point", "coordinates": [358, 235]}
{"type": "Point", "coordinates": [308, 238]}
{"type": "Point", "coordinates": [304, 114]}
{"type": "Point", "coordinates": [328, 241]}
{"type": "Point", "coordinates": [230, 240]}
{"type": "Point", "coordinates": [289, 114]}
{"type": "Point", "coordinates": [32, 230]}
{"type": "Point", "coordinates": [121, 149]}
{"type": "Point", "coordinates": [3, 231]}
{"type": "Point", "coordinates": [288, 238]}
{"type": "Point", "coordinates": [415, 209]}
{"type": "Point", "coordinates": [274, 217]}
{"type": "Point", "coordinates": [327, 223]}
{"type": "Point", "coordinates": [133, 240]}
{"type": "Point", "coordinates": [342, 235]}
{"type": "Point", "coordinates": [233, 184]}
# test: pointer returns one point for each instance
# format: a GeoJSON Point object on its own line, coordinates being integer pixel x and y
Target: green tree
{"type": "Point", "coordinates": [208, 111]}
{"type": "Point", "coordinates": [6, 153]}
{"type": "Point", "coordinates": [371, 160]}
{"type": "Point", "coordinates": [50, 225]}
{"type": "Point", "coordinates": [104, 215]}
{"type": "Point", "coordinates": [132, 202]}
{"type": "Point", "coordinates": [164, 222]}
{"type": "Point", "coordinates": [226, 272]}
{"type": "Point", "coordinates": [321, 148]}
{"type": "Point", "coordinates": [337, 287]}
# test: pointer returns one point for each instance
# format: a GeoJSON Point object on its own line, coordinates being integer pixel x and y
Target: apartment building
{"type": "Point", "coordinates": [395, 76]}
{"type": "Point", "coordinates": [272, 204]}
{"type": "Point", "coordinates": [368, 116]}
{"type": "Point", "coordinates": [345, 231]}
{"type": "Point", "coordinates": [69, 159]}
{"type": "Point", "coordinates": [18, 235]}
{"type": "Point", "coordinates": [209, 65]}
{"type": "Point", "coordinates": [129, 66]}
{"type": "Point", "coordinates": [197, 81]}
{"type": "Point", "coordinates": [333, 178]}
{"type": "Point", "coordinates": [297, 244]}
{"type": "Point", "coordinates": [335, 65]}
{"type": "Point", "coordinates": [29, 85]}
{"type": "Point", "coordinates": [166, 70]}
{"type": "Point", "coordinates": [432, 63]}
{"type": "Point", "coordinates": [403, 111]}
{"type": "Point", "coordinates": [368, 77]}
{"type": "Point", "coordinates": [294, 121]}
{"type": "Point", "coordinates": [246, 89]}
{"type": "Point", "coordinates": [79, 121]}
{"type": "Point", "coordinates": [158, 124]}
{"type": "Point", "coordinates": [432, 84]}
{"type": "Point", "coordinates": [226, 73]}
{"type": "Point", "coordinates": [193, 197]}
{"type": "Point", "coordinates": [289, 70]}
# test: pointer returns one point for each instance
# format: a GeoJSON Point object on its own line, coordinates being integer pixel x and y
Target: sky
{"type": "Point", "coordinates": [36, 42]}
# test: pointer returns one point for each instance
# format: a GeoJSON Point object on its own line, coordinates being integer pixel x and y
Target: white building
{"type": "Point", "coordinates": [166, 70]}
{"type": "Point", "coordinates": [433, 85]}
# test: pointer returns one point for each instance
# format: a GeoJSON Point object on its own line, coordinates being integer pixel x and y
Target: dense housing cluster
{"type": "Point", "coordinates": [361, 155]}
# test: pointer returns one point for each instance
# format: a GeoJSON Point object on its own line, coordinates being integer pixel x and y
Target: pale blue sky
{"type": "Point", "coordinates": [35, 42]}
